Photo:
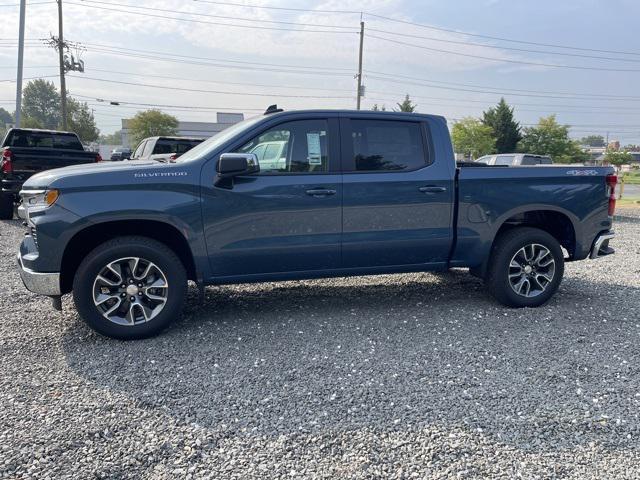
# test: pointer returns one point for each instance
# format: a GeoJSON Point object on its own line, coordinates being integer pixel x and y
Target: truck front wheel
{"type": "Point", "coordinates": [525, 268]}
{"type": "Point", "coordinates": [130, 287]}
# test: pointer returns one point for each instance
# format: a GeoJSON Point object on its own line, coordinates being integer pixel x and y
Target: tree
{"type": "Point", "coordinates": [41, 102]}
{"type": "Point", "coordinates": [407, 105]}
{"type": "Point", "coordinates": [471, 137]}
{"type": "Point", "coordinates": [617, 158]}
{"type": "Point", "coordinates": [593, 141]}
{"type": "Point", "coordinates": [505, 129]}
{"type": "Point", "coordinates": [114, 139]}
{"type": "Point", "coordinates": [151, 123]}
{"type": "Point", "coordinates": [5, 117]}
{"type": "Point", "coordinates": [30, 122]}
{"type": "Point", "coordinates": [376, 108]}
{"type": "Point", "coordinates": [551, 138]}
{"type": "Point", "coordinates": [81, 121]}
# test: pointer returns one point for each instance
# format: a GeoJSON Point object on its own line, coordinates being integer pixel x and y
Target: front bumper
{"type": "Point", "coordinates": [40, 282]}
{"type": "Point", "coordinates": [601, 246]}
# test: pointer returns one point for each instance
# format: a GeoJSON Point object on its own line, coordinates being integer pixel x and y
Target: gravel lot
{"type": "Point", "coordinates": [408, 376]}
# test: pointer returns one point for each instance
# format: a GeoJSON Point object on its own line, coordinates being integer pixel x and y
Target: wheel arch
{"type": "Point", "coordinates": [85, 240]}
{"type": "Point", "coordinates": [559, 223]}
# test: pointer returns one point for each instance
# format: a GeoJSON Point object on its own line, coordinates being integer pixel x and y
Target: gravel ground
{"type": "Point", "coordinates": [400, 376]}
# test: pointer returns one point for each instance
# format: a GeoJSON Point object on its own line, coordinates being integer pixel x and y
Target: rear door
{"type": "Point", "coordinates": [287, 218]}
{"type": "Point", "coordinates": [397, 201]}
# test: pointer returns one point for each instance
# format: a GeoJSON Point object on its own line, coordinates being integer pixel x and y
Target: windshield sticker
{"type": "Point", "coordinates": [313, 148]}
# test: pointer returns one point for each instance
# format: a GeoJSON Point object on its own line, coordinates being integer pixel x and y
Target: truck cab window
{"type": "Point", "coordinates": [293, 147]}
{"type": "Point", "coordinates": [387, 145]}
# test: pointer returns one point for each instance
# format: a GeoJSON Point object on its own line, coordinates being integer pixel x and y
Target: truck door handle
{"type": "Point", "coordinates": [320, 192]}
{"type": "Point", "coordinates": [432, 189]}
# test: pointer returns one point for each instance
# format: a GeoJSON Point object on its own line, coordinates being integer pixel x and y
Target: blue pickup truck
{"type": "Point", "coordinates": [297, 195]}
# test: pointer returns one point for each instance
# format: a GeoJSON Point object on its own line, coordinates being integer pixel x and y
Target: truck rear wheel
{"type": "Point", "coordinates": [130, 287]}
{"type": "Point", "coordinates": [6, 206]}
{"type": "Point", "coordinates": [525, 268]}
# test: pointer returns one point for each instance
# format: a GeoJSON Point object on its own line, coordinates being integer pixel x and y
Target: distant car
{"type": "Point", "coordinates": [271, 155]}
{"type": "Point", "coordinates": [513, 159]}
{"type": "Point", "coordinates": [118, 154]}
{"type": "Point", "coordinates": [164, 149]}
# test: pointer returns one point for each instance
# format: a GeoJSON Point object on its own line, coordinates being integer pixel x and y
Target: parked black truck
{"type": "Point", "coordinates": [29, 151]}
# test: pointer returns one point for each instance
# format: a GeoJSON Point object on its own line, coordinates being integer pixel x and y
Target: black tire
{"type": "Point", "coordinates": [506, 247]}
{"type": "Point", "coordinates": [6, 207]}
{"type": "Point", "coordinates": [124, 247]}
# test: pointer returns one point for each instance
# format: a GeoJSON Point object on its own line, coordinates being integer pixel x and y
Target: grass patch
{"type": "Point", "coordinates": [632, 178]}
{"type": "Point", "coordinates": [628, 202]}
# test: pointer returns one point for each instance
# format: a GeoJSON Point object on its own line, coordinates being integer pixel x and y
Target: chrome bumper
{"type": "Point", "coordinates": [601, 246]}
{"type": "Point", "coordinates": [39, 282]}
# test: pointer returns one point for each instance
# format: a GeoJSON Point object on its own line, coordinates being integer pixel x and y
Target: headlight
{"type": "Point", "coordinates": [39, 198]}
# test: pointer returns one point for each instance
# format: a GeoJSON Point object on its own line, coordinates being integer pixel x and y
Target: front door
{"type": "Point", "coordinates": [397, 202]}
{"type": "Point", "coordinates": [287, 218]}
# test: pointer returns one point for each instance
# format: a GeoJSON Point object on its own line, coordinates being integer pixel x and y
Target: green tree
{"type": "Point", "coordinates": [5, 117]}
{"type": "Point", "coordinates": [114, 139]}
{"type": "Point", "coordinates": [376, 108]}
{"type": "Point", "coordinates": [617, 158]}
{"type": "Point", "coordinates": [593, 140]}
{"type": "Point", "coordinates": [41, 102]}
{"type": "Point", "coordinates": [472, 138]}
{"type": "Point", "coordinates": [151, 123]}
{"type": "Point", "coordinates": [30, 122]}
{"type": "Point", "coordinates": [551, 138]}
{"type": "Point", "coordinates": [505, 129]}
{"type": "Point", "coordinates": [407, 105]}
{"type": "Point", "coordinates": [81, 121]}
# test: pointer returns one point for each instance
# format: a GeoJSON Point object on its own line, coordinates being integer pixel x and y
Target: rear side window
{"type": "Point", "coordinates": [43, 140]}
{"type": "Point", "coordinates": [387, 145]}
{"type": "Point", "coordinates": [505, 160]}
{"type": "Point", "coordinates": [531, 160]}
{"type": "Point", "coordinates": [174, 146]}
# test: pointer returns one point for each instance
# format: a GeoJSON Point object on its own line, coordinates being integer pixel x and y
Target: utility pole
{"type": "Point", "coordinates": [63, 86]}
{"type": "Point", "coordinates": [359, 93]}
{"type": "Point", "coordinates": [20, 62]}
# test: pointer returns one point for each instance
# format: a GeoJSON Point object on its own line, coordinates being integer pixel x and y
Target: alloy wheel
{"type": "Point", "coordinates": [130, 290]}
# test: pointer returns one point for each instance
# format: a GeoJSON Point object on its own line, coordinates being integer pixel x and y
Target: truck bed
{"type": "Point", "coordinates": [490, 196]}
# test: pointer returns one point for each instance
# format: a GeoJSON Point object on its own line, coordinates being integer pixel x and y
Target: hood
{"type": "Point", "coordinates": [89, 173]}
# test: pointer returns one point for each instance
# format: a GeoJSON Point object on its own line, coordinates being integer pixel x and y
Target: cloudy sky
{"type": "Point", "coordinates": [196, 57]}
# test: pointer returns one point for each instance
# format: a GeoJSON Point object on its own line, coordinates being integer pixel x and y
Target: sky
{"type": "Point", "coordinates": [454, 58]}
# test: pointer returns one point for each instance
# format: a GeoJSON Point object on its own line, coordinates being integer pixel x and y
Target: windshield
{"type": "Point", "coordinates": [218, 140]}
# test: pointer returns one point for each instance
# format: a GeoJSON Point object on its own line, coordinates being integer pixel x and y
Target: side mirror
{"type": "Point", "coordinates": [235, 164]}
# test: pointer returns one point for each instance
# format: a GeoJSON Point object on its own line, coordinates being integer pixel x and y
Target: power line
{"type": "Point", "coordinates": [197, 90]}
{"type": "Point", "coordinates": [502, 47]}
{"type": "Point", "coordinates": [501, 89]}
{"type": "Point", "coordinates": [503, 39]}
{"type": "Point", "coordinates": [147, 75]}
{"type": "Point", "coordinates": [291, 9]}
{"type": "Point", "coordinates": [210, 64]}
{"type": "Point", "coordinates": [192, 20]}
{"type": "Point", "coordinates": [226, 17]}
{"type": "Point", "coordinates": [244, 62]}
{"type": "Point", "coordinates": [493, 59]}
{"type": "Point", "coordinates": [566, 97]}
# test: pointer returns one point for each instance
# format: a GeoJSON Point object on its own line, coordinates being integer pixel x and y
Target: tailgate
{"type": "Point", "coordinates": [32, 160]}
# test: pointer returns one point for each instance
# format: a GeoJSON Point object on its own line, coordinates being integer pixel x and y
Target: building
{"type": "Point", "coordinates": [192, 129]}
